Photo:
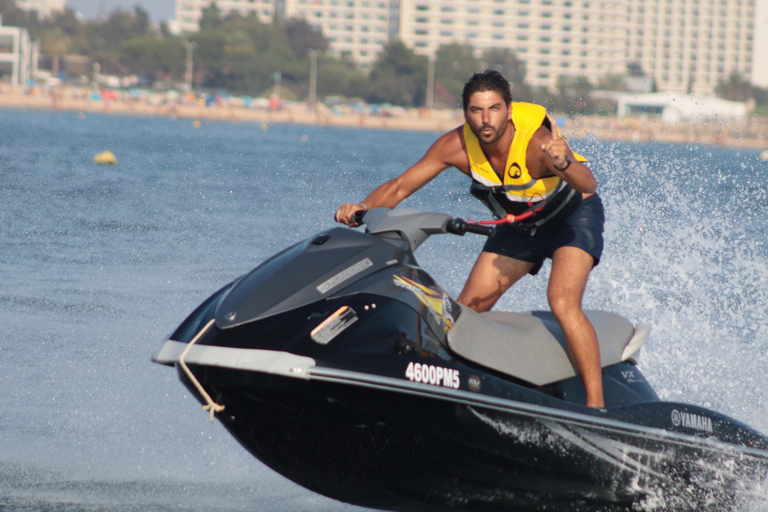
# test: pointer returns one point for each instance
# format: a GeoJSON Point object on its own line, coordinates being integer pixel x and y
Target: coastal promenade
{"type": "Point", "coordinates": [749, 132]}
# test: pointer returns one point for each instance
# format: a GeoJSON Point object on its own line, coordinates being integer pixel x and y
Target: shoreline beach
{"type": "Point", "coordinates": [750, 132]}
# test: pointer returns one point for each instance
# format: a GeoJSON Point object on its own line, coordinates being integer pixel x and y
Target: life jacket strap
{"type": "Point", "coordinates": [561, 199]}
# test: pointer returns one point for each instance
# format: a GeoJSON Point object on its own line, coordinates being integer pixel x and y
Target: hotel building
{"type": "Point", "coordinates": [189, 12]}
{"type": "Point", "coordinates": [44, 7]}
{"type": "Point", "coordinates": [691, 45]}
{"type": "Point", "coordinates": [682, 45]}
{"type": "Point", "coordinates": [355, 29]}
{"type": "Point", "coordinates": [18, 54]}
{"type": "Point", "coordinates": [553, 37]}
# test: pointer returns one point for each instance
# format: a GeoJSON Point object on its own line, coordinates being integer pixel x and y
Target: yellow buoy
{"type": "Point", "coordinates": [105, 158]}
{"type": "Point", "coordinates": [764, 156]}
{"type": "Point", "coordinates": [264, 127]}
{"type": "Point", "coordinates": [197, 124]}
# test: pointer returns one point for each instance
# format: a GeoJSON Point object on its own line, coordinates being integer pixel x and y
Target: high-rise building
{"type": "Point", "coordinates": [189, 12]}
{"type": "Point", "coordinates": [691, 45]}
{"type": "Point", "coordinates": [44, 7]}
{"type": "Point", "coordinates": [553, 37]}
{"type": "Point", "coordinates": [18, 55]}
{"type": "Point", "coordinates": [680, 45]}
{"type": "Point", "coordinates": [760, 45]}
{"type": "Point", "coordinates": [355, 29]}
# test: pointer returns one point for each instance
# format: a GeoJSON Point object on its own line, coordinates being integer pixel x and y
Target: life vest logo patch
{"type": "Point", "coordinates": [515, 171]}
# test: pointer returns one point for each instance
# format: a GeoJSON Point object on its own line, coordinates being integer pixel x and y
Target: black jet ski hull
{"type": "Point", "coordinates": [391, 445]}
{"type": "Point", "coordinates": [341, 364]}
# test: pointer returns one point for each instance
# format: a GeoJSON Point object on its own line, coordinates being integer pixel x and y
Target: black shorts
{"type": "Point", "coordinates": [582, 229]}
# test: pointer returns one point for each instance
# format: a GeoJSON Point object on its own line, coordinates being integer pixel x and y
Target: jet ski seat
{"type": "Point", "coordinates": [531, 346]}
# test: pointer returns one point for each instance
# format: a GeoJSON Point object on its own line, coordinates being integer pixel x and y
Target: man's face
{"type": "Point", "coordinates": [488, 116]}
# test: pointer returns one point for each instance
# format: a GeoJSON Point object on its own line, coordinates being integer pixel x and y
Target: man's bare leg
{"type": "Point", "coordinates": [567, 281]}
{"type": "Point", "coordinates": [491, 276]}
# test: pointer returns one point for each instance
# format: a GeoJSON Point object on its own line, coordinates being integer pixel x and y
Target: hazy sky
{"type": "Point", "coordinates": [159, 10]}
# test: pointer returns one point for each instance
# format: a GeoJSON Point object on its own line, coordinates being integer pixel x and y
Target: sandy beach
{"type": "Point", "coordinates": [748, 132]}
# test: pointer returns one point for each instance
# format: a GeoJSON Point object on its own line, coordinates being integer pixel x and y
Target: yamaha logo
{"type": "Point", "coordinates": [689, 420]}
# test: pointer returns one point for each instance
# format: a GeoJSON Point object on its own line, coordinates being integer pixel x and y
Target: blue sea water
{"type": "Point", "coordinates": [99, 264]}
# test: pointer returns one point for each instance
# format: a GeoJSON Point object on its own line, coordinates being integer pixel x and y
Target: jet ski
{"type": "Point", "coordinates": [341, 364]}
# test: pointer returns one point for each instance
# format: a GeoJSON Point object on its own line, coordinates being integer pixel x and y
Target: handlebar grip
{"type": "Point", "coordinates": [358, 216]}
{"type": "Point", "coordinates": [460, 227]}
{"type": "Point", "coordinates": [480, 230]}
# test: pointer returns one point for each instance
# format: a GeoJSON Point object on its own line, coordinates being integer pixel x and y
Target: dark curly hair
{"type": "Point", "coordinates": [488, 80]}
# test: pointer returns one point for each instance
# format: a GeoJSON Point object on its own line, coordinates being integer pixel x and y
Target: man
{"type": "Point", "coordinates": [518, 161]}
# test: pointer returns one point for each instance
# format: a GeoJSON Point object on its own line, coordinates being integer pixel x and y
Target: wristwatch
{"type": "Point", "coordinates": [567, 164]}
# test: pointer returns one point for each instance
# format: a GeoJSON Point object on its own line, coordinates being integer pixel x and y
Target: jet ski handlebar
{"type": "Point", "coordinates": [453, 225]}
{"type": "Point", "coordinates": [357, 217]}
{"type": "Point", "coordinates": [459, 226]}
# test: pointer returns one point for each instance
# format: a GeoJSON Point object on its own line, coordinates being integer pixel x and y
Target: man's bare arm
{"type": "Point", "coordinates": [445, 152]}
{"type": "Point", "coordinates": [552, 155]}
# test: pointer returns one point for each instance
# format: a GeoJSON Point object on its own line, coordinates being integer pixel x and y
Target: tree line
{"type": "Point", "coordinates": [240, 55]}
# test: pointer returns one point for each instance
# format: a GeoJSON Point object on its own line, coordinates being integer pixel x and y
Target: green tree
{"type": "Point", "coordinates": [55, 42]}
{"type": "Point", "coordinates": [760, 95]}
{"type": "Point", "coordinates": [575, 95]}
{"type": "Point", "coordinates": [257, 32]}
{"type": "Point", "coordinates": [398, 76]}
{"type": "Point", "coordinates": [454, 64]}
{"type": "Point", "coordinates": [734, 89]}
{"type": "Point", "coordinates": [302, 37]}
{"type": "Point", "coordinates": [211, 17]}
{"type": "Point", "coordinates": [67, 21]}
{"type": "Point", "coordinates": [337, 77]}
{"type": "Point", "coordinates": [142, 20]}
{"type": "Point", "coordinates": [612, 82]}
{"type": "Point", "coordinates": [120, 26]}
{"type": "Point", "coordinates": [12, 15]}
{"type": "Point", "coordinates": [149, 55]}
{"type": "Point", "coordinates": [505, 61]}
{"type": "Point", "coordinates": [209, 57]}
{"type": "Point", "coordinates": [235, 53]}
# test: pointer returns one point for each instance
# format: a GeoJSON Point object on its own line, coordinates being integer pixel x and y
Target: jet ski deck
{"type": "Point", "coordinates": [364, 381]}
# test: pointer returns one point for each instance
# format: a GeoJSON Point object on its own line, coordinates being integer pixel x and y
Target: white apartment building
{"type": "Point", "coordinates": [553, 37]}
{"type": "Point", "coordinates": [44, 7]}
{"type": "Point", "coordinates": [355, 29]}
{"type": "Point", "coordinates": [683, 45]}
{"type": "Point", "coordinates": [760, 47]}
{"type": "Point", "coordinates": [18, 55]}
{"type": "Point", "coordinates": [189, 12]}
{"type": "Point", "coordinates": [691, 45]}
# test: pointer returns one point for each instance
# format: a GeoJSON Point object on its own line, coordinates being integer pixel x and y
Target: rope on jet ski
{"type": "Point", "coordinates": [511, 219]}
{"type": "Point", "coordinates": [211, 406]}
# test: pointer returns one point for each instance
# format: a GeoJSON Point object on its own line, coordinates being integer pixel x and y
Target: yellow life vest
{"type": "Point", "coordinates": [518, 184]}
{"type": "Point", "coordinates": [515, 189]}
